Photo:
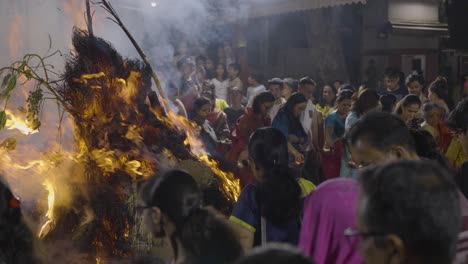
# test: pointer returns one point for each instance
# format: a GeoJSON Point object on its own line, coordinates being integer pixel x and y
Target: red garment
{"type": "Point", "coordinates": [331, 161]}
{"type": "Point", "coordinates": [246, 125]}
{"type": "Point", "coordinates": [444, 137]}
{"type": "Point", "coordinates": [188, 99]}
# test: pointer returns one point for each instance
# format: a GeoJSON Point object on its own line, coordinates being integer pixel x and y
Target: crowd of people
{"type": "Point", "coordinates": [331, 175]}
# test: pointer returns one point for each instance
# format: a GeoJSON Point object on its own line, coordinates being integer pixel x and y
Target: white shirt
{"type": "Point", "coordinates": [306, 118]}
{"type": "Point", "coordinates": [254, 91]}
{"type": "Point", "coordinates": [221, 88]}
{"type": "Point", "coordinates": [276, 107]}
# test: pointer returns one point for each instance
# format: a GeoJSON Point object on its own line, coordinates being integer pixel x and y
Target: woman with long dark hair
{"type": "Point", "coordinates": [327, 100]}
{"type": "Point", "coordinates": [288, 122]}
{"type": "Point", "coordinates": [439, 94]}
{"type": "Point", "coordinates": [408, 110]}
{"type": "Point", "coordinates": [270, 210]}
{"type": "Point", "coordinates": [173, 208]}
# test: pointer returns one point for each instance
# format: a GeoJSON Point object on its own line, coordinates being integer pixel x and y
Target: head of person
{"type": "Point", "coordinates": [17, 238]}
{"type": "Point", "coordinates": [201, 61]}
{"type": "Point", "coordinates": [328, 95]}
{"type": "Point", "coordinates": [438, 90]}
{"type": "Point", "coordinates": [398, 220]}
{"type": "Point", "coordinates": [186, 67]}
{"type": "Point", "coordinates": [233, 70]}
{"type": "Point", "coordinates": [275, 253]}
{"type": "Point", "coordinates": [457, 122]}
{"type": "Point", "coordinates": [289, 87]}
{"type": "Point", "coordinates": [414, 83]}
{"type": "Point", "coordinates": [235, 96]}
{"type": "Point", "coordinates": [221, 72]}
{"type": "Point", "coordinates": [337, 84]}
{"type": "Point", "coordinates": [344, 101]}
{"type": "Point", "coordinates": [388, 102]}
{"type": "Point", "coordinates": [209, 65]}
{"type": "Point", "coordinates": [432, 114]}
{"type": "Point", "coordinates": [201, 74]}
{"type": "Point", "coordinates": [348, 87]}
{"type": "Point", "coordinates": [263, 103]}
{"type": "Point", "coordinates": [392, 79]}
{"type": "Point", "coordinates": [308, 88]}
{"type": "Point", "coordinates": [328, 212]}
{"type": "Point", "coordinates": [255, 79]}
{"type": "Point", "coordinates": [367, 100]}
{"type": "Point", "coordinates": [202, 108]}
{"type": "Point", "coordinates": [295, 105]}
{"type": "Point", "coordinates": [378, 137]}
{"type": "Point", "coordinates": [279, 192]}
{"type": "Point", "coordinates": [274, 86]}
{"type": "Point", "coordinates": [172, 204]}
{"type": "Point", "coordinates": [408, 107]}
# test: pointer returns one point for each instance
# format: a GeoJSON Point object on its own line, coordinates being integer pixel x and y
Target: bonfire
{"type": "Point", "coordinates": [124, 133]}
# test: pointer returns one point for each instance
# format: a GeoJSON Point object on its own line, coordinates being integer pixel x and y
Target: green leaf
{"type": "Point", "coordinates": [11, 85]}
{"type": "Point", "coordinates": [5, 80]}
{"type": "Point", "coordinates": [3, 119]}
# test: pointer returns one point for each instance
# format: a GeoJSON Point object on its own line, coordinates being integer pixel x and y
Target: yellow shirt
{"type": "Point", "coordinates": [455, 154]}
{"type": "Point", "coordinates": [324, 110]}
{"type": "Point", "coordinates": [220, 104]}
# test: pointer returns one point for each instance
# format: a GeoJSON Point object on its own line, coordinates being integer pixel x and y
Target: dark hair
{"type": "Point", "coordinates": [236, 67]}
{"type": "Point", "coordinates": [260, 99]}
{"type": "Point", "coordinates": [414, 77]}
{"type": "Point", "coordinates": [367, 99]}
{"type": "Point", "coordinates": [322, 101]}
{"type": "Point", "coordinates": [400, 199]}
{"type": "Point", "coordinates": [392, 73]}
{"type": "Point", "coordinates": [257, 77]}
{"type": "Point", "coordinates": [426, 147]}
{"type": "Point", "coordinates": [16, 238]}
{"type": "Point", "coordinates": [294, 122]}
{"type": "Point", "coordinates": [279, 193]}
{"type": "Point", "coordinates": [201, 57]}
{"type": "Point", "coordinates": [347, 87]}
{"type": "Point", "coordinates": [275, 81]}
{"type": "Point", "coordinates": [408, 100]}
{"type": "Point", "coordinates": [291, 83]}
{"type": "Point", "coordinates": [427, 108]}
{"type": "Point", "coordinates": [382, 131]}
{"type": "Point", "coordinates": [440, 88]}
{"type": "Point", "coordinates": [458, 118]}
{"type": "Point", "coordinates": [388, 102]}
{"type": "Point", "coordinates": [224, 69]}
{"type": "Point", "coordinates": [275, 253]}
{"type": "Point", "coordinates": [199, 103]}
{"type": "Point", "coordinates": [202, 234]}
{"type": "Point", "coordinates": [307, 80]}
{"type": "Point", "coordinates": [344, 95]}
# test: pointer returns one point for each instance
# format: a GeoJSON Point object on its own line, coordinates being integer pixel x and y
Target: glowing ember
{"type": "Point", "coordinates": [14, 122]}
{"type": "Point", "coordinates": [49, 224]}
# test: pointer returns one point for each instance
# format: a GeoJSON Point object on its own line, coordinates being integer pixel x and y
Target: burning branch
{"type": "Point", "coordinates": [116, 19]}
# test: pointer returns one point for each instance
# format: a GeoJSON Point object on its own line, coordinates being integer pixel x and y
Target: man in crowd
{"type": "Point", "coordinates": [408, 213]}
{"type": "Point", "coordinates": [233, 74]}
{"type": "Point", "coordinates": [378, 138]}
{"type": "Point", "coordinates": [393, 85]}
{"type": "Point", "coordinates": [274, 86]}
{"type": "Point", "coordinates": [255, 87]}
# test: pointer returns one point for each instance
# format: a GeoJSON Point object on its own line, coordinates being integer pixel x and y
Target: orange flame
{"type": "Point", "coordinates": [49, 224]}
{"type": "Point", "coordinates": [14, 122]}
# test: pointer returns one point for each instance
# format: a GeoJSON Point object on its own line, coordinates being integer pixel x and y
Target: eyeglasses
{"type": "Point", "coordinates": [354, 232]}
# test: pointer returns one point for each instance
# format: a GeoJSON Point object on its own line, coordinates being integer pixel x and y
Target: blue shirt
{"type": "Point", "coordinates": [246, 213]}
{"type": "Point", "coordinates": [338, 124]}
{"type": "Point", "coordinates": [282, 123]}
